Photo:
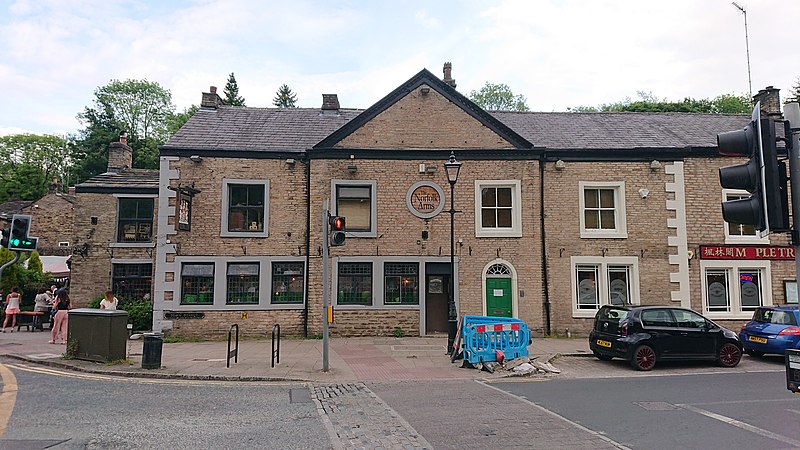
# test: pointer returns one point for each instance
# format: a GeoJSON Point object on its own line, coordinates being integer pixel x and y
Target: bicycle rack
{"type": "Point", "coordinates": [235, 352]}
{"type": "Point", "coordinates": [276, 354]}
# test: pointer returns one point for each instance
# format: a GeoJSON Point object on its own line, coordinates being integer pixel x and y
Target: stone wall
{"type": "Point", "coordinates": [53, 221]}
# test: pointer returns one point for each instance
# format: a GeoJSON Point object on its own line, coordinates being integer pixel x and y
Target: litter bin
{"type": "Point", "coordinates": [98, 334]}
{"type": "Point", "coordinates": [151, 350]}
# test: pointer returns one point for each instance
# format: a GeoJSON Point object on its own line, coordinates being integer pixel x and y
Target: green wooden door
{"type": "Point", "coordinates": [498, 297]}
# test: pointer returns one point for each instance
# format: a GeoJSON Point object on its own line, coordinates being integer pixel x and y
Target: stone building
{"type": "Point", "coordinates": [53, 221]}
{"type": "Point", "coordinates": [115, 230]}
{"type": "Point", "coordinates": [557, 214]}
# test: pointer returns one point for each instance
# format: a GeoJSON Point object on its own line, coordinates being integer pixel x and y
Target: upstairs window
{"type": "Point", "coordinates": [355, 201]}
{"type": "Point", "coordinates": [740, 233]}
{"type": "Point", "coordinates": [602, 207]}
{"type": "Point", "coordinates": [135, 220]}
{"type": "Point", "coordinates": [245, 208]}
{"type": "Point", "coordinates": [498, 212]}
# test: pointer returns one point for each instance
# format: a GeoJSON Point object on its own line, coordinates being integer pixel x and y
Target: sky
{"type": "Point", "coordinates": [558, 54]}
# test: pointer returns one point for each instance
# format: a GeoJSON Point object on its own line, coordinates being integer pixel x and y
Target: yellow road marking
{"type": "Point", "coordinates": [8, 398]}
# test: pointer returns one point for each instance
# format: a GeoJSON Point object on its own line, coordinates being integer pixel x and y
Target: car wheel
{"type": "Point", "coordinates": [644, 358]}
{"type": "Point", "coordinates": [602, 357]}
{"type": "Point", "coordinates": [729, 355]}
{"type": "Point", "coordinates": [754, 353]}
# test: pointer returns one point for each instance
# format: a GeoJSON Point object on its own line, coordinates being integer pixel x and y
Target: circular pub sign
{"type": "Point", "coordinates": [425, 199]}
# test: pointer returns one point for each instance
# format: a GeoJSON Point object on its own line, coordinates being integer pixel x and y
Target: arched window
{"type": "Point", "coordinates": [498, 271]}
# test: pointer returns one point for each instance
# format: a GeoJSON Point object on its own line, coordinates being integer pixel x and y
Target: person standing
{"type": "Point", "coordinates": [62, 306]}
{"type": "Point", "coordinates": [109, 302]}
{"type": "Point", "coordinates": [43, 304]}
{"type": "Point", "coordinates": [12, 308]}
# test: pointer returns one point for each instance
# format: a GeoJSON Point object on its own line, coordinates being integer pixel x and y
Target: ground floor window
{"type": "Point", "coordinates": [401, 283]}
{"type": "Point", "coordinates": [287, 282]}
{"type": "Point", "coordinates": [354, 283]}
{"type": "Point", "coordinates": [598, 281]}
{"type": "Point", "coordinates": [735, 289]}
{"type": "Point", "coordinates": [132, 280]}
{"type": "Point", "coordinates": [197, 281]}
{"type": "Point", "coordinates": [243, 279]}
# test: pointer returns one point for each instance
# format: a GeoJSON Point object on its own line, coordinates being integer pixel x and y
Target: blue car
{"type": "Point", "coordinates": [772, 330]}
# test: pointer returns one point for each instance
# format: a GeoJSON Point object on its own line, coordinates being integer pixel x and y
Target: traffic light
{"type": "Point", "coordinates": [763, 176]}
{"type": "Point", "coordinates": [4, 241]}
{"type": "Point", "coordinates": [19, 239]}
{"type": "Point", "coordinates": [337, 230]}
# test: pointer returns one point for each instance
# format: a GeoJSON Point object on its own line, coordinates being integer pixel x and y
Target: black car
{"type": "Point", "coordinates": [643, 335]}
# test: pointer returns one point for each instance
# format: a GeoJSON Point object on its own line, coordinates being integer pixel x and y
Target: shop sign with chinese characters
{"type": "Point", "coordinates": [783, 253]}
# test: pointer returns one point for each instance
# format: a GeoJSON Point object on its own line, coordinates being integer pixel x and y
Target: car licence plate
{"type": "Point", "coordinates": [760, 340]}
{"type": "Point", "coordinates": [603, 343]}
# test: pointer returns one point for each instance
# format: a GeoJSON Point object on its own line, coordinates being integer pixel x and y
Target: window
{"type": "Point", "coordinates": [287, 282]}
{"type": "Point", "coordinates": [603, 210]}
{"type": "Point", "coordinates": [355, 201]}
{"type": "Point", "coordinates": [132, 280]}
{"type": "Point", "coordinates": [354, 284]}
{"type": "Point", "coordinates": [657, 318]}
{"type": "Point", "coordinates": [598, 281]}
{"type": "Point", "coordinates": [497, 208]}
{"type": "Point", "coordinates": [245, 208]}
{"type": "Point", "coordinates": [401, 283]}
{"type": "Point", "coordinates": [739, 233]}
{"type": "Point", "coordinates": [243, 279]}
{"type": "Point", "coordinates": [689, 319]}
{"type": "Point", "coordinates": [735, 289]}
{"type": "Point", "coordinates": [198, 284]}
{"type": "Point", "coordinates": [135, 220]}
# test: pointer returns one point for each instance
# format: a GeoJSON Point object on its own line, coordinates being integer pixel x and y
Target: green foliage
{"type": "Point", "coordinates": [285, 98]}
{"type": "Point", "coordinates": [175, 339]}
{"type": "Point", "coordinates": [398, 332]}
{"type": "Point", "coordinates": [142, 108]}
{"type": "Point", "coordinates": [29, 279]}
{"type": "Point", "coordinates": [140, 313]}
{"type": "Point", "coordinates": [794, 93]}
{"type": "Point", "coordinates": [95, 303]}
{"type": "Point", "coordinates": [71, 350]}
{"type": "Point", "coordinates": [28, 163]}
{"type": "Point", "coordinates": [231, 91]}
{"type": "Point", "coordinates": [647, 102]}
{"type": "Point", "coordinates": [498, 97]}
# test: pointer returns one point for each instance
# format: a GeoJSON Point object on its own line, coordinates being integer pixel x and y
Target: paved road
{"type": "Point", "coordinates": [699, 411]}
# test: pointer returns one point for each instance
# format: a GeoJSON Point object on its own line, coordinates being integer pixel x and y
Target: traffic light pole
{"type": "Point", "coordinates": [325, 291]}
{"type": "Point", "coordinates": [792, 114]}
{"type": "Point", "coordinates": [8, 264]}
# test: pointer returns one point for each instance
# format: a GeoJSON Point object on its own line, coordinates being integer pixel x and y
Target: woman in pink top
{"type": "Point", "coordinates": [12, 308]}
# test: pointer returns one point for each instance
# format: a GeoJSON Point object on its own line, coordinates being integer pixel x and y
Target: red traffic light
{"type": "Point", "coordinates": [337, 235]}
{"type": "Point", "coordinates": [337, 223]}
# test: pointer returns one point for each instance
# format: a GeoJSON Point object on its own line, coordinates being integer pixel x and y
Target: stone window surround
{"type": "Point", "coordinates": [733, 267]}
{"type": "Point", "coordinates": [621, 230]}
{"type": "Point", "coordinates": [734, 239]}
{"type": "Point", "coordinates": [221, 285]}
{"type": "Point", "coordinates": [373, 192]}
{"type": "Point", "coordinates": [378, 283]}
{"type": "Point", "coordinates": [223, 231]}
{"type": "Point", "coordinates": [516, 209]}
{"type": "Point", "coordinates": [514, 287]}
{"type": "Point", "coordinates": [115, 244]}
{"type": "Point", "coordinates": [603, 262]}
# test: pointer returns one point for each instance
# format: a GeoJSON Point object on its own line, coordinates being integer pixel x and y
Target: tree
{"type": "Point", "coordinates": [794, 93]}
{"type": "Point", "coordinates": [29, 162]}
{"type": "Point", "coordinates": [140, 107]}
{"type": "Point", "coordinates": [498, 97]}
{"type": "Point", "coordinates": [232, 92]}
{"type": "Point", "coordinates": [647, 102]}
{"type": "Point", "coordinates": [285, 98]}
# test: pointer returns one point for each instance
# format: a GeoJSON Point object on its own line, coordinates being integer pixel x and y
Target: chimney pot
{"type": "Point", "coordinates": [448, 75]}
{"type": "Point", "coordinates": [770, 99]}
{"type": "Point", "coordinates": [211, 99]}
{"type": "Point", "coordinates": [330, 103]}
{"type": "Point", "coordinates": [213, 89]}
{"type": "Point", "coordinates": [123, 137]}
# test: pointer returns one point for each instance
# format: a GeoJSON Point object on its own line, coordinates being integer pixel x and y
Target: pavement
{"type": "Point", "coordinates": [350, 359]}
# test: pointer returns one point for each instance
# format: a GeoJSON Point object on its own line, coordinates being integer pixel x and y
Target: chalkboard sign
{"type": "Point", "coordinates": [184, 315]}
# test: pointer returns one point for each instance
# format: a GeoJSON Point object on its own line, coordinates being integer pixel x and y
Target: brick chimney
{"type": "Point", "coordinates": [211, 99]}
{"type": "Point", "coordinates": [120, 156]}
{"type": "Point", "coordinates": [330, 104]}
{"type": "Point", "coordinates": [448, 75]}
{"type": "Point", "coordinates": [770, 99]}
{"type": "Point", "coordinates": [53, 187]}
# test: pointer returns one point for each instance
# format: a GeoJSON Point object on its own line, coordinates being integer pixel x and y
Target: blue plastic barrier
{"type": "Point", "coordinates": [482, 335]}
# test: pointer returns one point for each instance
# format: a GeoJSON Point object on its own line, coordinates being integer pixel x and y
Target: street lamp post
{"type": "Point", "coordinates": [452, 167]}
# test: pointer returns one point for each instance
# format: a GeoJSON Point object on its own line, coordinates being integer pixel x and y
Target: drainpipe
{"type": "Point", "coordinates": [545, 280]}
{"type": "Point", "coordinates": [307, 160]}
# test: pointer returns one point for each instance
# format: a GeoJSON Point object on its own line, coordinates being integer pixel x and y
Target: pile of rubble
{"type": "Point", "coordinates": [517, 367]}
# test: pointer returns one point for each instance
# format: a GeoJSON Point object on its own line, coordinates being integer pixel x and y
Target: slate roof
{"type": "Point", "coordinates": [8, 209]}
{"type": "Point", "coordinates": [299, 129]}
{"type": "Point", "coordinates": [258, 129]}
{"type": "Point", "coordinates": [599, 131]}
{"type": "Point", "coordinates": [131, 180]}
